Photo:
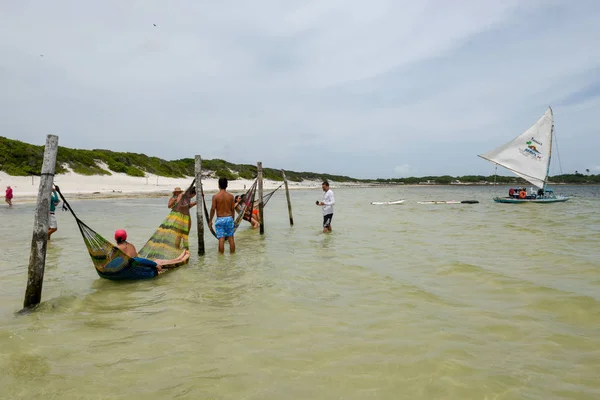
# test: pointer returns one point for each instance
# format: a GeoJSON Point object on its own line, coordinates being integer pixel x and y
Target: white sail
{"type": "Point", "coordinates": [528, 155]}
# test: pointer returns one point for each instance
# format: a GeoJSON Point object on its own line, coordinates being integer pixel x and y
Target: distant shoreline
{"type": "Point", "coordinates": [121, 186]}
{"type": "Point", "coordinates": [29, 197]}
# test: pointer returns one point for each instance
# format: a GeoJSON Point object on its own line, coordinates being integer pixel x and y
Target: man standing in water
{"type": "Point", "coordinates": [52, 224]}
{"type": "Point", "coordinates": [224, 205]}
{"type": "Point", "coordinates": [327, 204]}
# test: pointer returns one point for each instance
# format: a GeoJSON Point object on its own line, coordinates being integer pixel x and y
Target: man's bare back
{"type": "Point", "coordinates": [128, 249]}
{"type": "Point", "coordinates": [223, 203]}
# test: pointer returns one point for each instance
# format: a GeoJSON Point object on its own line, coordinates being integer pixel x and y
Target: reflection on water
{"type": "Point", "coordinates": [405, 301]}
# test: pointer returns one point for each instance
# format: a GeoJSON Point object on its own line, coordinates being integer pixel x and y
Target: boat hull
{"type": "Point", "coordinates": [510, 200]}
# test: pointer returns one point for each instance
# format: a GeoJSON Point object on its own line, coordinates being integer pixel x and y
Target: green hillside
{"type": "Point", "coordinates": [18, 158]}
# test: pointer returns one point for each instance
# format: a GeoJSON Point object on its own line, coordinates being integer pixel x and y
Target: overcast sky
{"type": "Point", "coordinates": [362, 88]}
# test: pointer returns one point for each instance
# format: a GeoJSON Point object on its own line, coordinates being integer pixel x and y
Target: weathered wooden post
{"type": "Point", "coordinates": [287, 195]}
{"type": "Point", "coordinates": [199, 207]}
{"type": "Point", "coordinates": [261, 205]}
{"type": "Point", "coordinates": [39, 242]}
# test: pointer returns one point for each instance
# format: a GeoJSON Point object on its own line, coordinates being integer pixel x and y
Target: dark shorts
{"type": "Point", "coordinates": [327, 220]}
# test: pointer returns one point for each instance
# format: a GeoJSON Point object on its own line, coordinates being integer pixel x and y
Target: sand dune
{"type": "Point", "coordinates": [121, 185]}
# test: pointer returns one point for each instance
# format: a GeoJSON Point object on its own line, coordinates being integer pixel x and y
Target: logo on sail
{"type": "Point", "coordinates": [532, 149]}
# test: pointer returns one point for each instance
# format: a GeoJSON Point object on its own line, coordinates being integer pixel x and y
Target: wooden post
{"type": "Point", "coordinates": [287, 195]}
{"type": "Point", "coordinates": [199, 207]}
{"type": "Point", "coordinates": [39, 242]}
{"type": "Point", "coordinates": [261, 205]}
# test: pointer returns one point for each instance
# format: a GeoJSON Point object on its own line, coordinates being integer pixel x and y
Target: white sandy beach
{"type": "Point", "coordinates": [120, 185]}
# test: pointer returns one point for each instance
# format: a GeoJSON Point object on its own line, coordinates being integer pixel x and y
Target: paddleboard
{"type": "Point", "coordinates": [387, 203]}
{"type": "Point", "coordinates": [449, 202]}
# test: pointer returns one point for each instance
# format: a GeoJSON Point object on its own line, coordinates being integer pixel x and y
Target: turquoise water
{"type": "Point", "coordinates": [482, 301]}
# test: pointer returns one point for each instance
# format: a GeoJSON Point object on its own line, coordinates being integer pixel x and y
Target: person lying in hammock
{"type": "Point", "coordinates": [250, 217]}
{"type": "Point", "coordinates": [130, 251]}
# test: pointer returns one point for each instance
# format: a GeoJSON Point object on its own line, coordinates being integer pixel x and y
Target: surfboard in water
{"type": "Point", "coordinates": [449, 202]}
{"type": "Point", "coordinates": [387, 203]}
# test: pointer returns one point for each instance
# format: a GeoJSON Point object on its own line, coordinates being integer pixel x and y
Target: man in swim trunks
{"type": "Point", "coordinates": [223, 204]}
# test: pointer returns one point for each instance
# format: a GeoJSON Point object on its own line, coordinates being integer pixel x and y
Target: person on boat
{"type": "Point", "coordinates": [130, 251]}
{"type": "Point", "coordinates": [52, 224]}
{"type": "Point", "coordinates": [511, 192]}
{"type": "Point", "coordinates": [251, 217]}
{"type": "Point", "coordinates": [540, 193]}
{"type": "Point", "coordinates": [223, 204]}
{"type": "Point", "coordinates": [8, 196]}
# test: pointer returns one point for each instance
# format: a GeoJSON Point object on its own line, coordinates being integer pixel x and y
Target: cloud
{"type": "Point", "coordinates": [403, 170]}
{"type": "Point", "coordinates": [345, 87]}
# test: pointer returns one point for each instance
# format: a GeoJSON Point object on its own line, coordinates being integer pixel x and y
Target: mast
{"type": "Point", "coordinates": [550, 154]}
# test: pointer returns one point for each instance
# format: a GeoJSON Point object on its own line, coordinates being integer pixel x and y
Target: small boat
{"type": "Point", "coordinates": [449, 202]}
{"type": "Point", "coordinates": [528, 156]}
{"type": "Point", "coordinates": [387, 203]}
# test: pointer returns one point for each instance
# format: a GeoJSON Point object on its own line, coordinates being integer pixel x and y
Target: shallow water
{"type": "Point", "coordinates": [482, 301]}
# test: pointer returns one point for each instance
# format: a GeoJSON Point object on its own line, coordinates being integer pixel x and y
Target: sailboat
{"type": "Point", "coordinates": [528, 156]}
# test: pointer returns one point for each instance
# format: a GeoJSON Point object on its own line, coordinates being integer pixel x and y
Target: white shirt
{"type": "Point", "coordinates": [329, 201]}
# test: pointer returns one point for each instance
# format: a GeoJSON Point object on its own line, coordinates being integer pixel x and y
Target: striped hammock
{"type": "Point", "coordinates": [167, 243]}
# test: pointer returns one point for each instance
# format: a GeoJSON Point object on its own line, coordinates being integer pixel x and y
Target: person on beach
{"type": "Point", "coordinates": [52, 224]}
{"type": "Point", "coordinates": [8, 196]}
{"type": "Point", "coordinates": [327, 204]}
{"type": "Point", "coordinates": [130, 251]}
{"type": "Point", "coordinates": [248, 216]}
{"type": "Point", "coordinates": [223, 204]}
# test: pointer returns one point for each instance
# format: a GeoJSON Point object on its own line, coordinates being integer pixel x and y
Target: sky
{"type": "Point", "coordinates": [371, 89]}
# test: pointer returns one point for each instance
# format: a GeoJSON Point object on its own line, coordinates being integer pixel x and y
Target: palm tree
{"type": "Point", "coordinates": [587, 170]}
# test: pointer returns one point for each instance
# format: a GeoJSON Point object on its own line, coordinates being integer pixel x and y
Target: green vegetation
{"type": "Point", "coordinates": [480, 179]}
{"type": "Point", "coordinates": [19, 158]}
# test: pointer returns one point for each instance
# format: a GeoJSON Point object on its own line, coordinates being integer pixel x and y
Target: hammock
{"type": "Point", "coordinates": [167, 243]}
{"type": "Point", "coordinates": [248, 205]}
